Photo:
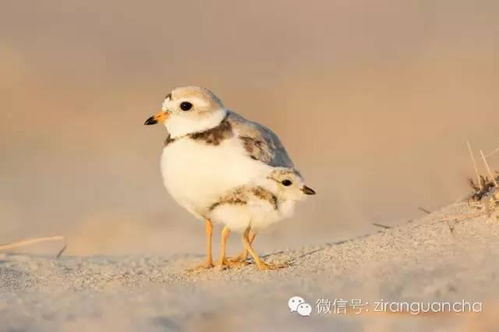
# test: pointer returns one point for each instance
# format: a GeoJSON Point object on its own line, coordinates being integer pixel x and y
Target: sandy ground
{"type": "Point", "coordinates": [449, 255]}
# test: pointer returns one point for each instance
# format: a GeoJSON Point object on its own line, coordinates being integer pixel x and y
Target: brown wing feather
{"type": "Point", "coordinates": [260, 142]}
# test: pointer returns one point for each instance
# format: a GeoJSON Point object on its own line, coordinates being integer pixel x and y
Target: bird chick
{"type": "Point", "coordinates": [251, 208]}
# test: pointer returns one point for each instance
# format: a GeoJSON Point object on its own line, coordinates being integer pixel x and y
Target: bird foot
{"type": "Point", "coordinates": [201, 267]}
{"type": "Point", "coordinates": [230, 264]}
{"type": "Point", "coordinates": [238, 259]}
{"type": "Point", "coordinates": [262, 266]}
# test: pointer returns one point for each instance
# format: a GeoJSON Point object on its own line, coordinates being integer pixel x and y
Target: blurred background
{"type": "Point", "coordinates": [374, 100]}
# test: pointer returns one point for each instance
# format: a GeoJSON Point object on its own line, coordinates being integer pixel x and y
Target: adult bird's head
{"type": "Point", "coordinates": [188, 110]}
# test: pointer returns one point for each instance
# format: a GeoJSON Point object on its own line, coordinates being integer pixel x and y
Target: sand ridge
{"type": "Point", "coordinates": [447, 255]}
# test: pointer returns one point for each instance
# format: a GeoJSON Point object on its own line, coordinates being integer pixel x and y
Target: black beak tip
{"type": "Point", "coordinates": [308, 190]}
{"type": "Point", "coordinates": [150, 121]}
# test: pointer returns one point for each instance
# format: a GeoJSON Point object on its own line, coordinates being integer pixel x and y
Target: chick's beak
{"type": "Point", "coordinates": [160, 117]}
{"type": "Point", "coordinates": [308, 191]}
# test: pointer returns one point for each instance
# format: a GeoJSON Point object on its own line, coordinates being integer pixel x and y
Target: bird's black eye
{"type": "Point", "coordinates": [185, 106]}
{"type": "Point", "coordinates": [286, 182]}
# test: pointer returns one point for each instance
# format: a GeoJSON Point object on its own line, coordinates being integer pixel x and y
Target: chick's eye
{"type": "Point", "coordinates": [185, 106]}
{"type": "Point", "coordinates": [286, 182]}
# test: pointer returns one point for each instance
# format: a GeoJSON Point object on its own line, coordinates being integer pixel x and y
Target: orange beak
{"type": "Point", "coordinates": [161, 117]}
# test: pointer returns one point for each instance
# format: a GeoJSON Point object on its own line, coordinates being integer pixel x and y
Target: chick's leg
{"type": "Point", "coordinates": [261, 265]}
{"type": "Point", "coordinates": [222, 261]}
{"type": "Point", "coordinates": [241, 258]}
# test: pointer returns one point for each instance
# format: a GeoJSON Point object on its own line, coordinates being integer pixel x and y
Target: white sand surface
{"type": "Point", "coordinates": [449, 255]}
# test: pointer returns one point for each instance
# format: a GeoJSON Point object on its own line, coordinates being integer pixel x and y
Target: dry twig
{"type": "Point", "coordinates": [424, 210]}
{"type": "Point", "coordinates": [490, 154]}
{"type": "Point", "coordinates": [487, 167]}
{"type": "Point", "coordinates": [24, 243]}
{"type": "Point", "coordinates": [473, 160]}
{"type": "Point", "coordinates": [381, 225]}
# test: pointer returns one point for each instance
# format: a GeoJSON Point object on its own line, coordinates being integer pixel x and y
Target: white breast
{"type": "Point", "coordinates": [256, 213]}
{"type": "Point", "coordinates": [197, 174]}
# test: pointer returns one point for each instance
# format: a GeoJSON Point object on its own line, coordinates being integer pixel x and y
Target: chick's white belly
{"type": "Point", "coordinates": [197, 174]}
{"type": "Point", "coordinates": [257, 214]}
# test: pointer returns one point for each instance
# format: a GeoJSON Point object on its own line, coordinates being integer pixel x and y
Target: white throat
{"type": "Point", "coordinates": [181, 125]}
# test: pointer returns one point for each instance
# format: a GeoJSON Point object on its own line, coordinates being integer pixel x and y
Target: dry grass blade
{"type": "Point", "coordinates": [475, 167]}
{"type": "Point", "coordinates": [489, 171]}
{"type": "Point", "coordinates": [424, 210]}
{"type": "Point", "coordinates": [61, 250]}
{"type": "Point", "coordinates": [490, 154]}
{"type": "Point", "coordinates": [381, 225]}
{"type": "Point", "coordinates": [486, 186]}
{"type": "Point", "coordinates": [461, 217]}
{"type": "Point", "coordinates": [29, 242]}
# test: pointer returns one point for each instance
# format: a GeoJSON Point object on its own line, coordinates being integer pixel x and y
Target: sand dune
{"type": "Point", "coordinates": [449, 255]}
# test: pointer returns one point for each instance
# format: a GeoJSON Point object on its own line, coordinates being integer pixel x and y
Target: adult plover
{"type": "Point", "coordinates": [254, 206]}
{"type": "Point", "coordinates": [210, 151]}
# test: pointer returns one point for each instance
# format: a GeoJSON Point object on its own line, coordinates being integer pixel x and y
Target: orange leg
{"type": "Point", "coordinates": [241, 258]}
{"type": "Point", "coordinates": [223, 246]}
{"type": "Point", "coordinates": [208, 228]}
{"type": "Point", "coordinates": [259, 263]}
{"type": "Point", "coordinates": [223, 262]}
